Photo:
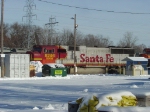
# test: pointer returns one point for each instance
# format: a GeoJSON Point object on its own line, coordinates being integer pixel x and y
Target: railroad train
{"type": "Point", "coordinates": [146, 54]}
{"type": "Point", "coordinates": [88, 60]}
{"type": "Point", "coordinates": [7, 50]}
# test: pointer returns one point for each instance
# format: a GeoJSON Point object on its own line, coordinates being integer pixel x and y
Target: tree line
{"type": "Point", "coordinates": [17, 36]}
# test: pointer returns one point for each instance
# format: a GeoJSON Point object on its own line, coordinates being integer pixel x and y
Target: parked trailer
{"type": "Point", "coordinates": [88, 59]}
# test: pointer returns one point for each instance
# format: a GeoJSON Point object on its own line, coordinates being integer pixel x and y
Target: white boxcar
{"type": "Point", "coordinates": [17, 65]}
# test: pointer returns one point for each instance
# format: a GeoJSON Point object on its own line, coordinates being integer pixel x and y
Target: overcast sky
{"type": "Point", "coordinates": [110, 18]}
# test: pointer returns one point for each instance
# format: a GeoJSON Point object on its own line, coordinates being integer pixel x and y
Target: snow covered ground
{"type": "Point", "coordinates": [52, 94]}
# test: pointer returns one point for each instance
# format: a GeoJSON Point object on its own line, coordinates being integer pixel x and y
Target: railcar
{"type": "Point", "coordinates": [146, 54]}
{"type": "Point", "coordinates": [88, 59]}
{"type": "Point", "coordinates": [7, 50]}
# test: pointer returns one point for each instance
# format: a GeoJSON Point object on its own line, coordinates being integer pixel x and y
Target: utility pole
{"type": "Point", "coordinates": [29, 15]}
{"type": "Point", "coordinates": [75, 58]}
{"type": "Point", "coordinates": [2, 55]}
{"type": "Point", "coordinates": [50, 26]}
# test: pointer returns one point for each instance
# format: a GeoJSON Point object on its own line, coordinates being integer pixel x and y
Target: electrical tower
{"type": "Point", "coordinates": [29, 21]}
{"type": "Point", "coordinates": [50, 26]}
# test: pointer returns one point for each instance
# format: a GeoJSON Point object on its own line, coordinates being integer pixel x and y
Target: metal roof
{"type": "Point", "coordinates": [135, 59]}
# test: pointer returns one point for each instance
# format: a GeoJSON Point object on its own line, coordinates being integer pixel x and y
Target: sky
{"type": "Point", "coordinates": [52, 94]}
{"type": "Point", "coordinates": [110, 18]}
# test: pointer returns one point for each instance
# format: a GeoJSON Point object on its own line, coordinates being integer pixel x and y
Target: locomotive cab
{"type": "Point", "coordinates": [35, 53]}
{"type": "Point", "coordinates": [47, 53]}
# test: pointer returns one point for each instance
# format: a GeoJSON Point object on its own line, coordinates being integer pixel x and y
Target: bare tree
{"type": "Point", "coordinates": [104, 41]}
{"type": "Point", "coordinates": [90, 40]}
{"type": "Point", "coordinates": [66, 37]}
{"type": "Point", "coordinates": [79, 38]}
{"type": "Point", "coordinates": [99, 41]}
{"type": "Point", "coordinates": [139, 48]}
{"type": "Point", "coordinates": [39, 34]}
{"type": "Point", "coordinates": [18, 35]}
{"type": "Point", "coordinates": [7, 42]}
{"type": "Point", "coordinates": [15, 35]}
{"type": "Point", "coordinates": [128, 40]}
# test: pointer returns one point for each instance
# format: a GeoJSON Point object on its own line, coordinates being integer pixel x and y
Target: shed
{"type": "Point", "coordinates": [136, 65]}
{"type": "Point", "coordinates": [135, 59]}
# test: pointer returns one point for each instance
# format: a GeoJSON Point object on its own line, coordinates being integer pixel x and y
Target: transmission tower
{"type": "Point", "coordinates": [50, 26]}
{"type": "Point", "coordinates": [29, 21]}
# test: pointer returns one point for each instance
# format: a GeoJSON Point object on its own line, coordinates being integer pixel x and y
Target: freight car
{"type": "Point", "coordinates": [146, 54]}
{"type": "Point", "coordinates": [88, 59]}
{"type": "Point", "coordinates": [7, 50]}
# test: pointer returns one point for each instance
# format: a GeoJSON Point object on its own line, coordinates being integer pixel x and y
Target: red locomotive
{"type": "Point", "coordinates": [88, 59]}
{"type": "Point", "coordinates": [46, 53]}
{"type": "Point", "coordinates": [146, 53]}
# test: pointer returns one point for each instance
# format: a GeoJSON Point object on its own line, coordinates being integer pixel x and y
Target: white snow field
{"type": "Point", "coordinates": [52, 94]}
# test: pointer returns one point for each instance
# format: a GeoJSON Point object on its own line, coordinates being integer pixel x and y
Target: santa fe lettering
{"type": "Point", "coordinates": [96, 58]}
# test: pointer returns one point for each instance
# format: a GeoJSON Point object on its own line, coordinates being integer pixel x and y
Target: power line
{"type": "Point", "coordinates": [85, 8]}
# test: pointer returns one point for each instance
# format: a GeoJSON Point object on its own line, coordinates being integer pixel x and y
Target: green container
{"type": "Point", "coordinates": [58, 72]}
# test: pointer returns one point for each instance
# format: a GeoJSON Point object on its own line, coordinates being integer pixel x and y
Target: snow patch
{"type": "Point", "coordinates": [35, 108]}
{"type": "Point", "coordinates": [49, 107]}
{"type": "Point", "coordinates": [134, 86]}
{"type": "Point", "coordinates": [85, 90]}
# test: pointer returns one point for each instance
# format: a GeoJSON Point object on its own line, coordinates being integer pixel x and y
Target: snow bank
{"type": "Point", "coordinates": [94, 102]}
{"type": "Point", "coordinates": [38, 65]}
